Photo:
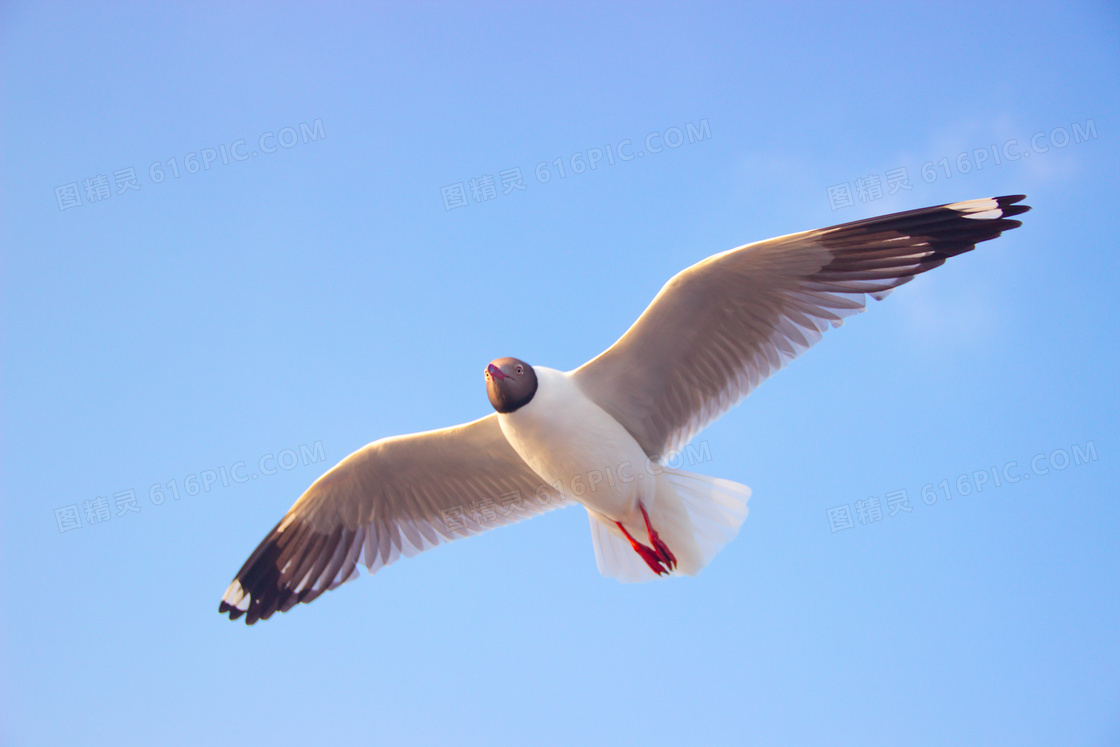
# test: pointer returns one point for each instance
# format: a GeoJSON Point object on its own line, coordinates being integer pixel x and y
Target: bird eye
{"type": "Point", "coordinates": [486, 373]}
{"type": "Point", "coordinates": [520, 370]}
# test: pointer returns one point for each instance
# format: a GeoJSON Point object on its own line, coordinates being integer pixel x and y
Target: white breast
{"type": "Point", "coordinates": [578, 448]}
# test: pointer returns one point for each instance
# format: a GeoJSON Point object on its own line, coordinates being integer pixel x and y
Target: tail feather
{"type": "Point", "coordinates": [695, 515]}
{"type": "Point", "coordinates": [717, 508]}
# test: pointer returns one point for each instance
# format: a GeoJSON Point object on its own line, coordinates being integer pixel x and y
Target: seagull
{"type": "Point", "coordinates": [599, 435]}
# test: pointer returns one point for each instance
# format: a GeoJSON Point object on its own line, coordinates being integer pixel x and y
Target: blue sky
{"type": "Point", "coordinates": [331, 277]}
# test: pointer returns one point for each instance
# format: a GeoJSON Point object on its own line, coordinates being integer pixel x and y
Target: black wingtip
{"type": "Point", "coordinates": [225, 607]}
{"type": "Point", "coordinates": [1009, 208]}
{"type": "Point", "coordinates": [292, 564]}
{"type": "Point", "coordinates": [234, 613]}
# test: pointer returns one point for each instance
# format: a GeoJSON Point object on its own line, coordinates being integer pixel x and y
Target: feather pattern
{"type": "Point", "coordinates": [723, 326]}
{"type": "Point", "coordinates": [398, 496]}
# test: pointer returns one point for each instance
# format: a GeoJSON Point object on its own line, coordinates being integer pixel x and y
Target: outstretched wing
{"type": "Point", "coordinates": [721, 327]}
{"type": "Point", "coordinates": [397, 496]}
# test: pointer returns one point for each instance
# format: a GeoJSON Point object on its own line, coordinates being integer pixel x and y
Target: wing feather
{"type": "Point", "coordinates": [721, 327]}
{"type": "Point", "coordinates": [398, 496]}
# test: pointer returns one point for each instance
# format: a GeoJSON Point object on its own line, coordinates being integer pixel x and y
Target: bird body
{"type": "Point", "coordinates": [596, 435]}
{"type": "Point", "coordinates": [589, 457]}
{"type": "Point", "coordinates": [567, 439]}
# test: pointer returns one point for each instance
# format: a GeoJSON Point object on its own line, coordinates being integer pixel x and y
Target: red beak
{"type": "Point", "coordinates": [496, 372]}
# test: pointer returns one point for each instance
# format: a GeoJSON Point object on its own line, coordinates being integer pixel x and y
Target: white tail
{"type": "Point", "coordinates": [695, 515]}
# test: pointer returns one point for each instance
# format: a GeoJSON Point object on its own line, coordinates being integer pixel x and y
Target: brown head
{"type": "Point", "coordinates": [510, 383]}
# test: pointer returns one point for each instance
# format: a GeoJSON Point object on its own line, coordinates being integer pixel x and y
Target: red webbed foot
{"type": "Point", "coordinates": [650, 556]}
{"type": "Point", "coordinates": [659, 558]}
{"type": "Point", "coordinates": [664, 553]}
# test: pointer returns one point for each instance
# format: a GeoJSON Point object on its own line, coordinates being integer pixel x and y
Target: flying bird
{"type": "Point", "coordinates": [597, 435]}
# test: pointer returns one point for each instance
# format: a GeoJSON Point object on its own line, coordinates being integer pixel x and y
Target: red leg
{"type": "Point", "coordinates": [663, 551]}
{"type": "Point", "coordinates": [652, 558]}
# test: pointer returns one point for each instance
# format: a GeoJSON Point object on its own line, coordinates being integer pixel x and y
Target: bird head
{"type": "Point", "coordinates": [510, 383]}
